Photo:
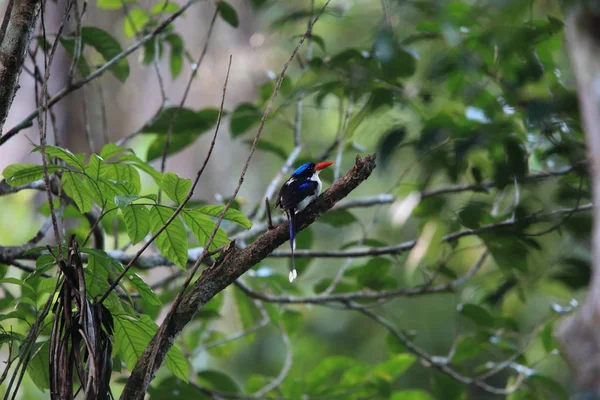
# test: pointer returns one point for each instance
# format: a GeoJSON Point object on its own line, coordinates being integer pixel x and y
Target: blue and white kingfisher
{"type": "Point", "coordinates": [296, 193]}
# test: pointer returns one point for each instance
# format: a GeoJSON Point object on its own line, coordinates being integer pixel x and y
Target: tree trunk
{"type": "Point", "coordinates": [18, 26]}
{"type": "Point", "coordinates": [579, 334]}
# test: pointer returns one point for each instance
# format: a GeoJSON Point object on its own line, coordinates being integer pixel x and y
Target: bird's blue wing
{"type": "Point", "coordinates": [294, 191]}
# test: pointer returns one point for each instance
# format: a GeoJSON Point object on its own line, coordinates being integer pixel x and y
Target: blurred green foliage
{"type": "Point", "coordinates": [469, 105]}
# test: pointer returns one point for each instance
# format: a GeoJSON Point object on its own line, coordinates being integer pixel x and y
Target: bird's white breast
{"type": "Point", "coordinates": [304, 203]}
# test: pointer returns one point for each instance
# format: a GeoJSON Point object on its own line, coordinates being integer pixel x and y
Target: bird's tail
{"type": "Point", "coordinates": [292, 225]}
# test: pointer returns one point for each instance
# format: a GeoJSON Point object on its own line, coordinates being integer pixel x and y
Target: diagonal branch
{"type": "Point", "coordinates": [230, 266]}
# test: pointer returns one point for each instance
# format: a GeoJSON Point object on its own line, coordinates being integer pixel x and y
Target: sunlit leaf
{"type": "Point", "coordinates": [137, 219]}
{"type": "Point", "coordinates": [22, 174]}
{"type": "Point", "coordinates": [231, 214]}
{"type": "Point", "coordinates": [134, 21]}
{"type": "Point", "coordinates": [78, 189]}
{"type": "Point", "coordinates": [202, 227]}
{"type": "Point", "coordinates": [175, 187]}
{"type": "Point", "coordinates": [172, 241]}
{"type": "Point", "coordinates": [108, 47]}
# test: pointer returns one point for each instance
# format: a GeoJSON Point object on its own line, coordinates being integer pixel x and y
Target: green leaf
{"type": "Point", "coordinates": [141, 165]}
{"type": "Point", "coordinates": [293, 321]}
{"type": "Point", "coordinates": [43, 264]}
{"type": "Point", "coordinates": [173, 389]}
{"type": "Point", "coordinates": [133, 336]}
{"type": "Point", "coordinates": [175, 187]}
{"type": "Point", "coordinates": [187, 127]}
{"type": "Point", "coordinates": [38, 366]}
{"type": "Point", "coordinates": [547, 387]}
{"type": "Point", "coordinates": [62, 154]}
{"type": "Point", "coordinates": [218, 381]}
{"type": "Point", "coordinates": [391, 369]}
{"type": "Point", "coordinates": [135, 21]}
{"type": "Point", "coordinates": [245, 309]}
{"type": "Point", "coordinates": [108, 47]}
{"type": "Point", "coordinates": [325, 372]}
{"type": "Point", "coordinates": [187, 121]}
{"type": "Point", "coordinates": [145, 291]}
{"type": "Point", "coordinates": [375, 274]}
{"type": "Point", "coordinates": [202, 226]}
{"type": "Point", "coordinates": [110, 150]}
{"type": "Point", "coordinates": [467, 347]}
{"type": "Point", "coordinates": [22, 174]}
{"type": "Point", "coordinates": [231, 214]}
{"type": "Point", "coordinates": [269, 148]}
{"type": "Point", "coordinates": [394, 344]}
{"type": "Point", "coordinates": [228, 13]}
{"type": "Point", "coordinates": [414, 394]}
{"type": "Point", "coordinates": [243, 118]}
{"type": "Point", "coordinates": [172, 241]}
{"type": "Point", "coordinates": [78, 189]}
{"type": "Point", "coordinates": [390, 141]}
{"type": "Point", "coordinates": [93, 169]}
{"type": "Point", "coordinates": [112, 4]}
{"type": "Point", "coordinates": [478, 314]}
{"type": "Point", "coordinates": [338, 218]}
{"type": "Point", "coordinates": [137, 220]}
{"type": "Point", "coordinates": [177, 53]}
{"type": "Point", "coordinates": [164, 7]}
{"type": "Point", "coordinates": [125, 173]}
{"type": "Point", "coordinates": [13, 315]}
{"type": "Point", "coordinates": [394, 61]}
{"type": "Point", "coordinates": [123, 201]}
{"type": "Point", "coordinates": [70, 47]}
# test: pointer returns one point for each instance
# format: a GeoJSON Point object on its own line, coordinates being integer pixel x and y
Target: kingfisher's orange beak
{"type": "Point", "coordinates": [323, 165]}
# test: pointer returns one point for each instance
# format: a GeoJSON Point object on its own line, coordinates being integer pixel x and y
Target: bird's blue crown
{"type": "Point", "coordinates": [302, 168]}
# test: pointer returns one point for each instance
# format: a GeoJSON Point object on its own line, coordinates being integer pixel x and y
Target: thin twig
{"type": "Point", "coordinates": [402, 247]}
{"type": "Point", "coordinates": [433, 361]}
{"type": "Point", "coordinates": [195, 69]}
{"type": "Point", "coordinates": [268, 209]}
{"type": "Point", "coordinates": [365, 295]}
{"type": "Point", "coordinates": [183, 203]}
{"type": "Point", "coordinates": [27, 121]}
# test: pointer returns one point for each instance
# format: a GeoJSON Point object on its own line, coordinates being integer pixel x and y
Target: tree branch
{"type": "Point", "coordinates": [18, 26]}
{"type": "Point", "coordinates": [365, 295]}
{"type": "Point", "coordinates": [231, 265]}
{"type": "Point", "coordinates": [386, 198]}
{"type": "Point", "coordinates": [402, 247]}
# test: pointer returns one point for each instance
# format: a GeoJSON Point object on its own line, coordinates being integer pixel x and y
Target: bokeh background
{"type": "Point", "coordinates": [473, 91]}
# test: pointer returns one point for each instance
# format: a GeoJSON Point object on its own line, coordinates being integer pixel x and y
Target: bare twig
{"type": "Point", "coordinates": [402, 247]}
{"type": "Point", "coordinates": [183, 203]}
{"type": "Point", "coordinates": [365, 295]}
{"type": "Point", "coordinates": [153, 354]}
{"type": "Point", "coordinates": [27, 122]}
{"type": "Point", "coordinates": [195, 68]}
{"type": "Point", "coordinates": [433, 361]}
{"type": "Point", "coordinates": [268, 209]}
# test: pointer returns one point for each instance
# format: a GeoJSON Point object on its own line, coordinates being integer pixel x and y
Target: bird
{"type": "Point", "coordinates": [295, 194]}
